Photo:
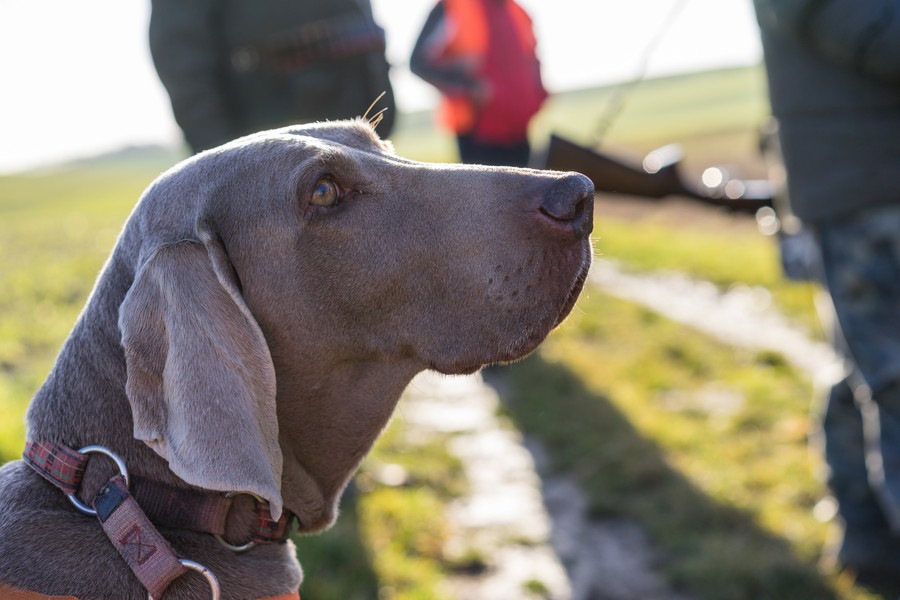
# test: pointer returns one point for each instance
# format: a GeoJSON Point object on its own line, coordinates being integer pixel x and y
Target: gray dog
{"type": "Point", "coordinates": [264, 308]}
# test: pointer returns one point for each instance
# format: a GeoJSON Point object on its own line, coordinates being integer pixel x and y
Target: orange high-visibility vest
{"type": "Point", "coordinates": [469, 41]}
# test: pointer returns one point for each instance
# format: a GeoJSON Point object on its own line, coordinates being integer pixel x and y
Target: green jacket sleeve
{"type": "Point", "coordinates": [183, 44]}
{"type": "Point", "coordinates": [863, 35]}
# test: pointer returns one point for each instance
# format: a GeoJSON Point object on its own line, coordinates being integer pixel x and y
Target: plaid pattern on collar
{"type": "Point", "coordinates": [58, 464]}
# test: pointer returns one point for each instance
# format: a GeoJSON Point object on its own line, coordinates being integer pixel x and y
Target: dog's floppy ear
{"type": "Point", "coordinates": [200, 377]}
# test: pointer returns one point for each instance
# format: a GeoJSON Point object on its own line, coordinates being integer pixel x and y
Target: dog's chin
{"type": "Point", "coordinates": [466, 365]}
{"type": "Point", "coordinates": [527, 344]}
{"type": "Point", "coordinates": [574, 293]}
{"type": "Point", "coordinates": [459, 370]}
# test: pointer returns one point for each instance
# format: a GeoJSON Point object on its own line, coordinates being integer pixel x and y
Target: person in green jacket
{"type": "Point", "coordinates": [234, 67]}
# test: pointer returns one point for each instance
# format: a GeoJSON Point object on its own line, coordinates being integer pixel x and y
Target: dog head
{"type": "Point", "coordinates": [288, 285]}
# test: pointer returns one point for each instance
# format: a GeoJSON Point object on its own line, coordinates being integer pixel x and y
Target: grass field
{"type": "Point", "coordinates": [704, 445]}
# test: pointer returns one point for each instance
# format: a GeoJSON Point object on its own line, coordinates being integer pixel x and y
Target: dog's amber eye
{"type": "Point", "coordinates": [325, 193]}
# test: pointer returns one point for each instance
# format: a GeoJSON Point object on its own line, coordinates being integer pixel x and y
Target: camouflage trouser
{"type": "Point", "coordinates": [861, 426]}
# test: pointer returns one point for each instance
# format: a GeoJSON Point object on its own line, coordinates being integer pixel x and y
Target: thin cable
{"type": "Point", "coordinates": [620, 93]}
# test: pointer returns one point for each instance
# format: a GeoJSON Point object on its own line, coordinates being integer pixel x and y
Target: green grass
{"type": "Point", "coordinates": [703, 444]}
{"type": "Point", "coordinates": [405, 527]}
{"type": "Point", "coordinates": [336, 564]}
{"type": "Point", "coordinates": [726, 257]}
{"type": "Point", "coordinates": [55, 232]}
{"type": "Point", "coordinates": [390, 540]}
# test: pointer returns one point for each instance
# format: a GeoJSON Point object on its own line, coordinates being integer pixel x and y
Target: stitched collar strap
{"type": "Point", "coordinates": [149, 555]}
{"type": "Point", "coordinates": [205, 512]}
{"type": "Point", "coordinates": [165, 506]}
{"type": "Point", "coordinates": [182, 509]}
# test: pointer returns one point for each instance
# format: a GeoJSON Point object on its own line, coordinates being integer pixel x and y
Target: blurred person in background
{"type": "Point", "coordinates": [834, 82]}
{"type": "Point", "coordinates": [233, 67]}
{"type": "Point", "coordinates": [481, 55]}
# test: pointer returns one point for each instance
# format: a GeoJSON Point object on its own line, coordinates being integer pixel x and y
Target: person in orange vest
{"type": "Point", "coordinates": [481, 55]}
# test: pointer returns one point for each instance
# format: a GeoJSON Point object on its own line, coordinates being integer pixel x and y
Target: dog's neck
{"type": "Point", "coordinates": [328, 426]}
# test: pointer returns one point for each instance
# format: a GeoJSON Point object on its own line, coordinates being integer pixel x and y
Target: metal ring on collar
{"type": "Point", "coordinates": [81, 506]}
{"type": "Point", "coordinates": [242, 547]}
{"type": "Point", "coordinates": [210, 577]}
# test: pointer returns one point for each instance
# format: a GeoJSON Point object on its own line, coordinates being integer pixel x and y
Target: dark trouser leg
{"type": "Point", "coordinates": [474, 152]}
{"type": "Point", "coordinates": [845, 456]}
{"type": "Point", "coordinates": [887, 444]}
{"type": "Point", "coordinates": [861, 259]}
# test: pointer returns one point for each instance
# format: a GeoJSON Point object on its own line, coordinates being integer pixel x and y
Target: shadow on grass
{"type": "Point", "coordinates": [336, 564]}
{"type": "Point", "coordinates": [711, 550]}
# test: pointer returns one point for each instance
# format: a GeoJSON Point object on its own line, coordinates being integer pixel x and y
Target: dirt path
{"type": "Point", "coordinates": [741, 316]}
{"type": "Point", "coordinates": [529, 525]}
{"type": "Point", "coordinates": [502, 515]}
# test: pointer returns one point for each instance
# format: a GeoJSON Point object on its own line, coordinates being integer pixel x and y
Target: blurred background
{"type": "Point", "coordinates": [80, 79]}
{"type": "Point", "coordinates": [686, 447]}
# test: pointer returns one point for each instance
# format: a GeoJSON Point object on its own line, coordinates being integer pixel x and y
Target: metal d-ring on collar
{"type": "Point", "coordinates": [210, 578]}
{"type": "Point", "coordinates": [81, 506]}
{"type": "Point", "coordinates": [242, 547]}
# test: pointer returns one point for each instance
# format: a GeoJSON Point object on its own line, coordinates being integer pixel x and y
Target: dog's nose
{"type": "Point", "coordinates": [569, 201]}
